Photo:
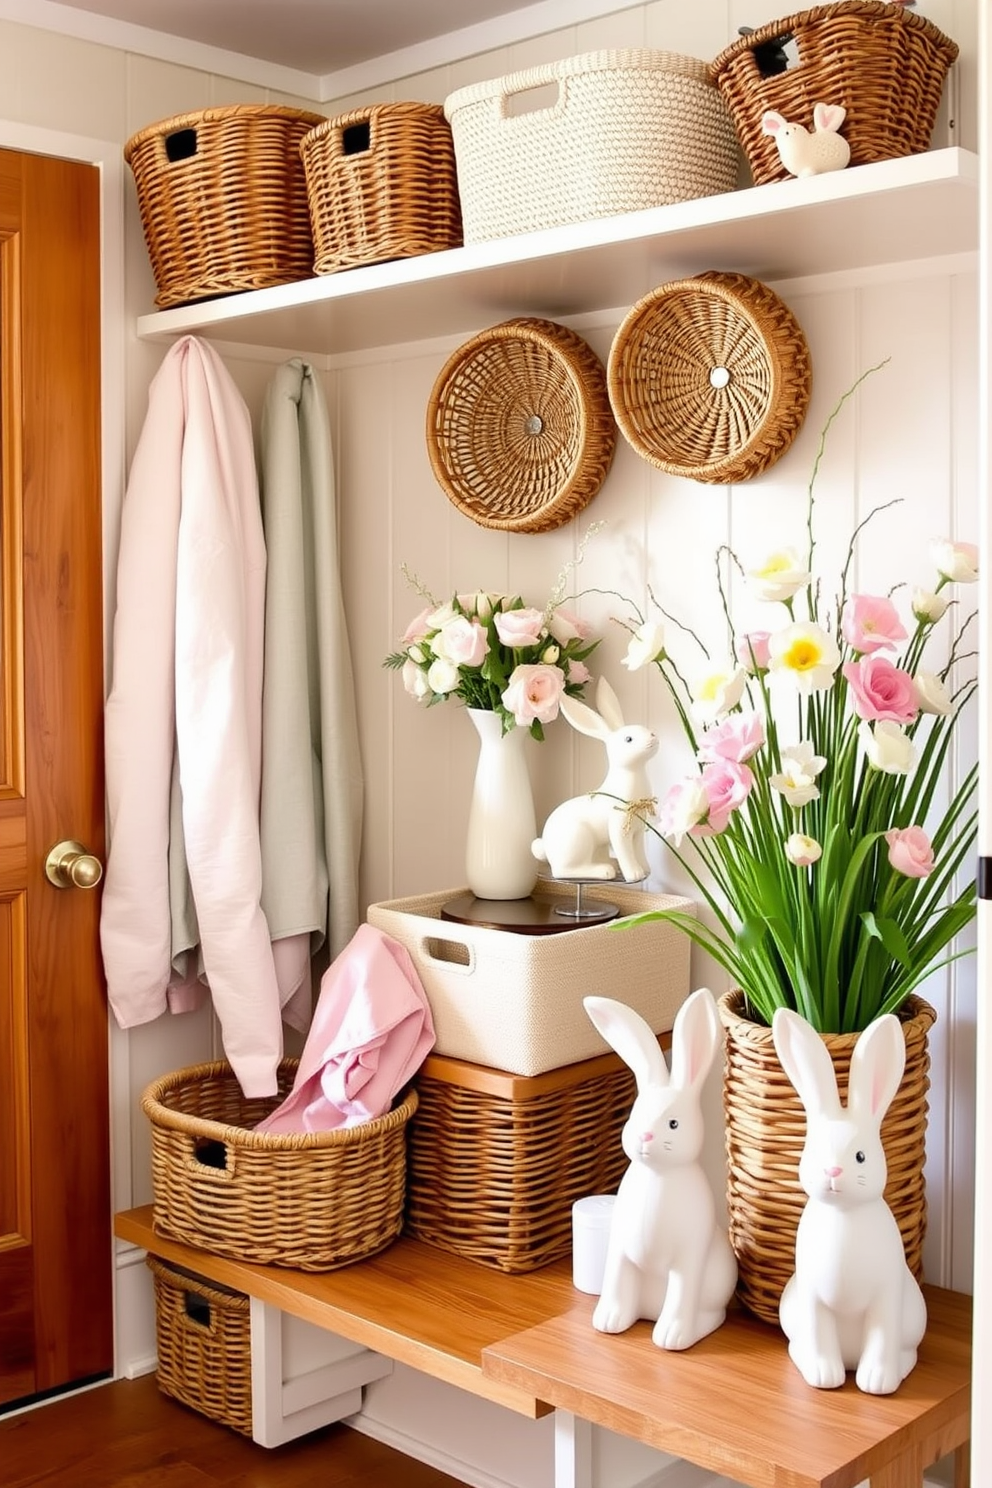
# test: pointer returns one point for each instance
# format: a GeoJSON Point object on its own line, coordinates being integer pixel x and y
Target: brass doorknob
{"type": "Point", "coordinates": [70, 866]}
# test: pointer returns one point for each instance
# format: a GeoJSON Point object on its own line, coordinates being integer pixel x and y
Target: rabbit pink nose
{"type": "Point", "coordinates": [647, 1136]}
{"type": "Point", "coordinates": [833, 1172]}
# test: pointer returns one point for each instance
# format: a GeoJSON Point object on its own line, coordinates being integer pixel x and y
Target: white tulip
{"type": "Point", "coordinates": [888, 747]}
{"type": "Point", "coordinates": [442, 676]}
{"type": "Point", "coordinates": [957, 562]}
{"type": "Point", "coordinates": [715, 693]}
{"type": "Point", "coordinates": [931, 693]}
{"type": "Point", "coordinates": [645, 645]}
{"type": "Point", "coordinates": [802, 850]}
{"type": "Point", "coordinates": [780, 577]}
{"type": "Point", "coordinates": [927, 606]}
{"type": "Point", "coordinates": [415, 681]}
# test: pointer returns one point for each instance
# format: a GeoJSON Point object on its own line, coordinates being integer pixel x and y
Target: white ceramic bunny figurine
{"type": "Point", "coordinates": [584, 835]}
{"type": "Point", "coordinates": [813, 152]}
{"type": "Point", "coordinates": [853, 1303]}
{"type": "Point", "coordinates": [668, 1259]}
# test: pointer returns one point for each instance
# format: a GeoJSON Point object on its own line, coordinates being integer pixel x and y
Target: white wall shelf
{"type": "Point", "coordinates": [895, 211]}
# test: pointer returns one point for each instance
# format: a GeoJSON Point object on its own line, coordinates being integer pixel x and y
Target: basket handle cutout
{"type": "Point", "coordinates": [532, 100]}
{"type": "Point", "coordinates": [777, 55]}
{"type": "Point", "coordinates": [197, 1309]}
{"type": "Point", "coordinates": [356, 139]}
{"type": "Point", "coordinates": [182, 144]}
{"type": "Point", "coordinates": [453, 954]}
{"type": "Point", "coordinates": [211, 1159]}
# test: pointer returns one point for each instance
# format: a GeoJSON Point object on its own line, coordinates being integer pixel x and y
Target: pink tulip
{"type": "Point", "coordinates": [881, 691]}
{"type": "Point", "coordinates": [752, 650]}
{"type": "Point", "coordinates": [519, 629]}
{"type": "Point", "coordinates": [566, 626]}
{"type": "Point", "coordinates": [736, 739]}
{"type": "Point", "coordinates": [910, 851]}
{"type": "Point", "coordinates": [578, 673]}
{"type": "Point", "coordinates": [534, 692]}
{"type": "Point", "coordinates": [727, 786]}
{"type": "Point", "coordinates": [417, 628]}
{"type": "Point", "coordinates": [871, 624]}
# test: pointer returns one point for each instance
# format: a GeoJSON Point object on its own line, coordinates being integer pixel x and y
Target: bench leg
{"type": "Point", "coordinates": [573, 1451]}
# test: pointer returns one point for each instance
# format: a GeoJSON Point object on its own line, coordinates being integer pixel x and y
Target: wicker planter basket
{"type": "Point", "coordinates": [313, 1202]}
{"type": "Point", "coordinates": [223, 200]}
{"type": "Point", "coordinates": [587, 137]}
{"type": "Point", "coordinates": [381, 184]}
{"type": "Point", "coordinates": [497, 1160]}
{"type": "Point", "coordinates": [884, 64]}
{"type": "Point", "coordinates": [766, 1130]}
{"type": "Point", "coordinates": [204, 1345]}
{"type": "Point", "coordinates": [519, 429]}
{"type": "Point", "coordinates": [710, 378]}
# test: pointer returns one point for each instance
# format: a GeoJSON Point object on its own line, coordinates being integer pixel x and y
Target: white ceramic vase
{"type": "Point", "coordinates": [499, 863]}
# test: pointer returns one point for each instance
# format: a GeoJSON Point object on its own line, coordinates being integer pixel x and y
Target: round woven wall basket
{"type": "Point", "coordinates": [766, 1131]}
{"type": "Point", "coordinates": [519, 429]}
{"type": "Point", "coordinates": [710, 378]}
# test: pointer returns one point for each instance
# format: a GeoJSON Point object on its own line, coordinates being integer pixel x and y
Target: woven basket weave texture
{"type": "Point", "coordinates": [493, 1176]}
{"type": "Point", "coordinates": [766, 1131]}
{"type": "Point", "coordinates": [314, 1202]}
{"type": "Point", "coordinates": [203, 1333]}
{"type": "Point", "coordinates": [223, 200]}
{"type": "Point", "coordinates": [624, 130]}
{"type": "Point", "coordinates": [883, 64]}
{"type": "Point", "coordinates": [710, 378]}
{"type": "Point", "coordinates": [381, 183]}
{"type": "Point", "coordinates": [514, 1002]}
{"type": "Point", "coordinates": [520, 434]}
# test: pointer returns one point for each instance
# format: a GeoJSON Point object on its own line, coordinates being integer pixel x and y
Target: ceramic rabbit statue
{"type": "Point", "coordinates": [813, 152]}
{"type": "Point", "coordinates": [591, 836]}
{"type": "Point", "coordinates": [853, 1303]}
{"type": "Point", "coordinates": [668, 1259]}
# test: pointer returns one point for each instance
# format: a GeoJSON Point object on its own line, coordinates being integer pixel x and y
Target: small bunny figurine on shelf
{"type": "Point", "coordinates": [813, 152]}
{"type": "Point", "coordinates": [853, 1303]}
{"type": "Point", "coordinates": [584, 835]}
{"type": "Point", "coordinates": [668, 1259]}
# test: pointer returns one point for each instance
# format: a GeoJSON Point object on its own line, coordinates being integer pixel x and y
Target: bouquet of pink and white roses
{"type": "Point", "coordinates": [814, 807]}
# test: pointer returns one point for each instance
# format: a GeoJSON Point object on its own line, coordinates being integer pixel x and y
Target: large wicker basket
{"type": "Point", "coordinates": [710, 378]}
{"type": "Point", "coordinates": [497, 1160]}
{"type": "Point", "coordinates": [884, 64]}
{"type": "Point", "coordinates": [314, 1202]}
{"type": "Point", "coordinates": [223, 200]}
{"type": "Point", "coordinates": [382, 185]}
{"type": "Point", "coordinates": [203, 1332]}
{"type": "Point", "coordinates": [519, 430]}
{"type": "Point", "coordinates": [766, 1131]}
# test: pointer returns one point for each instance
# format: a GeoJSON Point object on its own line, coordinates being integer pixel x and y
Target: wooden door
{"type": "Point", "coordinates": [55, 1238]}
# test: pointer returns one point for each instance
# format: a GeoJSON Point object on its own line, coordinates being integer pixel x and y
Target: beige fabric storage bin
{"type": "Point", "coordinates": [589, 136]}
{"type": "Point", "coordinates": [514, 1002]}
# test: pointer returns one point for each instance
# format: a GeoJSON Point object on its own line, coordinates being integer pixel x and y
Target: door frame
{"type": "Point", "coordinates": [107, 156]}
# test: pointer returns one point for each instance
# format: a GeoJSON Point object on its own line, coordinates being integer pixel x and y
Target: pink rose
{"type": "Point", "coordinates": [736, 739]}
{"type": "Point", "coordinates": [910, 851]}
{"type": "Point", "coordinates": [578, 673]}
{"type": "Point", "coordinates": [519, 629]}
{"type": "Point", "coordinates": [752, 651]}
{"type": "Point", "coordinates": [881, 690]}
{"type": "Point", "coordinates": [534, 692]}
{"type": "Point", "coordinates": [461, 641]}
{"type": "Point", "coordinates": [565, 626]}
{"type": "Point", "coordinates": [417, 628]}
{"type": "Point", "coordinates": [871, 624]}
{"type": "Point", "coordinates": [727, 786]}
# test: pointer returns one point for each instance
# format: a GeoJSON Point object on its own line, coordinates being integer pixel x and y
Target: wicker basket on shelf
{"type": "Point", "coordinates": [710, 378]}
{"type": "Point", "coordinates": [223, 200]}
{"type": "Point", "coordinates": [519, 429]}
{"type": "Point", "coordinates": [382, 185]}
{"type": "Point", "coordinates": [314, 1201]}
{"type": "Point", "coordinates": [883, 64]}
{"type": "Point", "coordinates": [203, 1333]}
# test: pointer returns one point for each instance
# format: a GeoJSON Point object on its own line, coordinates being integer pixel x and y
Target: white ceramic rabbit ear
{"type": "Point", "coordinates": [829, 116]}
{"type": "Point", "coordinates": [583, 718]}
{"type": "Point", "coordinates": [629, 1035]}
{"type": "Point", "coordinates": [877, 1064]}
{"type": "Point", "coordinates": [609, 704]}
{"type": "Point", "coordinates": [803, 1055]}
{"type": "Point", "coordinates": [695, 1038]}
{"type": "Point", "coordinates": [771, 122]}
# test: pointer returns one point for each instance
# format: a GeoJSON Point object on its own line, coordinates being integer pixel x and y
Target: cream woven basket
{"type": "Point", "coordinates": [599, 134]}
{"type": "Point", "coordinates": [514, 1002]}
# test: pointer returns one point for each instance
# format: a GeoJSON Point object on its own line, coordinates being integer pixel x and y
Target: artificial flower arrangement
{"type": "Point", "coordinates": [820, 749]}
{"type": "Point", "coordinates": [495, 653]}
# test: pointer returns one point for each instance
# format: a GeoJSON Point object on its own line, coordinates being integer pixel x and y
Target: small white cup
{"type": "Point", "coordinates": [590, 1234]}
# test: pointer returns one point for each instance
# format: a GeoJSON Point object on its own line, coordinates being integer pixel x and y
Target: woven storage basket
{"type": "Point", "coordinates": [381, 182]}
{"type": "Point", "coordinates": [223, 200]}
{"type": "Point", "coordinates": [766, 1130]}
{"type": "Point", "coordinates": [519, 430]}
{"type": "Point", "coordinates": [624, 130]}
{"type": "Point", "coordinates": [514, 1001]}
{"type": "Point", "coordinates": [313, 1201]}
{"type": "Point", "coordinates": [496, 1161]}
{"type": "Point", "coordinates": [884, 64]}
{"type": "Point", "coordinates": [204, 1345]}
{"type": "Point", "coordinates": [710, 378]}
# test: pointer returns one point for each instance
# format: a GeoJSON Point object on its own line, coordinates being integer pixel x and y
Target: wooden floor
{"type": "Point", "coordinates": [128, 1435]}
